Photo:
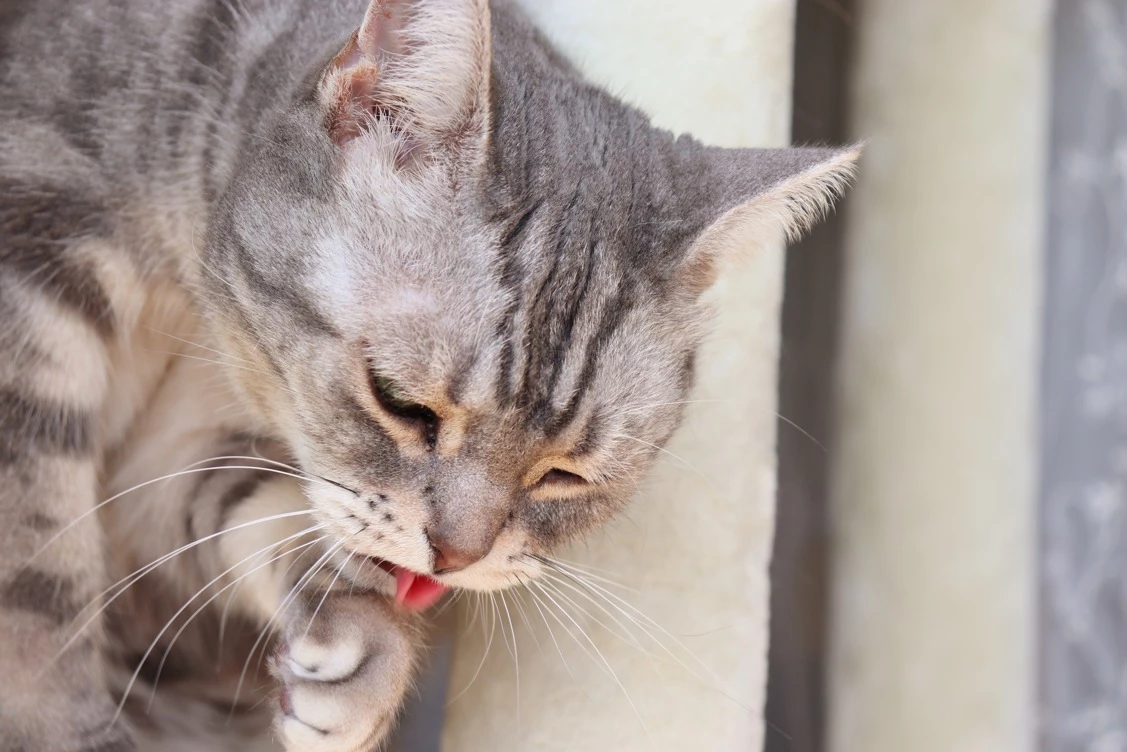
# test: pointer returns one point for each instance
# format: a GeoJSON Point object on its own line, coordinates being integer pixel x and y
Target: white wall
{"type": "Point", "coordinates": [696, 543]}
{"type": "Point", "coordinates": [936, 467]}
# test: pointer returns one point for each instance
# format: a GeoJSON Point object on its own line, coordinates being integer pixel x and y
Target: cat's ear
{"type": "Point", "coordinates": [745, 198]}
{"type": "Point", "coordinates": [414, 69]}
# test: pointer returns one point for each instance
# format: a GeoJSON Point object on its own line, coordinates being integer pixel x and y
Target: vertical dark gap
{"type": "Point", "coordinates": [420, 729]}
{"type": "Point", "coordinates": [796, 703]}
{"type": "Point", "coordinates": [1082, 692]}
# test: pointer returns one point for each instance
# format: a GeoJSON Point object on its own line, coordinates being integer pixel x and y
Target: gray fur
{"type": "Point", "coordinates": [322, 196]}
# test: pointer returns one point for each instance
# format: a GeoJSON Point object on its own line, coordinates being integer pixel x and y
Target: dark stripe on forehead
{"type": "Point", "coordinates": [613, 317]}
{"type": "Point", "coordinates": [30, 426]}
{"type": "Point", "coordinates": [581, 279]}
{"type": "Point", "coordinates": [512, 273]}
{"type": "Point", "coordinates": [590, 438]}
{"type": "Point", "coordinates": [538, 338]}
{"type": "Point", "coordinates": [36, 227]}
{"type": "Point", "coordinates": [456, 386]}
{"type": "Point", "coordinates": [213, 45]}
{"type": "Point", "coordinates": [570, 313]}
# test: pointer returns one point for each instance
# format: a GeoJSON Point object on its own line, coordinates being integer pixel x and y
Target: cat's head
{"type": "Point", "coordinates": [475, 283]}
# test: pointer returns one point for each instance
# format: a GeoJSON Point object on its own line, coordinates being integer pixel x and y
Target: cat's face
{"type": "Point", "coordinates": [474, 281]}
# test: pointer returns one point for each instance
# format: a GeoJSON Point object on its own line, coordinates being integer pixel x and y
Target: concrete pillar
{"type": "Point", "coordinates": [934, 490]}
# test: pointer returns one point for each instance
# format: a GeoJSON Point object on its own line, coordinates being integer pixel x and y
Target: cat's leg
{"type": "Point", "coordinates": [346, 663]}
{"type": "Point", "coordinates": [53, 380]}
{"type": "Point", "coordinates": [346, 658]}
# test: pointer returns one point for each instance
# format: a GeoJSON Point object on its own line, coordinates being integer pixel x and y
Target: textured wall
{"type": "Point", "coordinates": [697, 541]}
{"type": "Point", "coordinates": [933, 635]}
{"type": "Point", "coordinates": [1084, 447]}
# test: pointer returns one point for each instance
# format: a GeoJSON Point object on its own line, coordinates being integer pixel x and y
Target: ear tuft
{"type": "Point", "coordinates": [760, 196]}
{"type": "Point", "coordinates": [798, 203]}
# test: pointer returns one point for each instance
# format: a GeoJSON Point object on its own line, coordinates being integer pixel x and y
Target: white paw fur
{"type": "Point", "coordinates": [343, 674]}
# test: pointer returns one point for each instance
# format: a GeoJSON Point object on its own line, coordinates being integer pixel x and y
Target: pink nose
{"type": "Point", "coordinates": [449, 558]}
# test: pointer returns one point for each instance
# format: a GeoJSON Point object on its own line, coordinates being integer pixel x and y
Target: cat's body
{"type": "Point", "coordinates": [137, 197]}
{"type": "Point", "coordinates": [211, 211]}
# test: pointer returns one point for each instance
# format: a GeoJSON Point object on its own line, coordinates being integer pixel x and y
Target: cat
{"type": "Point", "coordinates": [388, 297]}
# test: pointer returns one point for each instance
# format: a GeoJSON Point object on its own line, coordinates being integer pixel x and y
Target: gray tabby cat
{"type": "Point", "coordinates": [447, 292]}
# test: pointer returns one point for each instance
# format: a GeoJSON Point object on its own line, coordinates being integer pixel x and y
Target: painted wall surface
{"type": "Point", "coordinates": [695, 546]}
{"type": "Point", "coordinates": [935, 488]}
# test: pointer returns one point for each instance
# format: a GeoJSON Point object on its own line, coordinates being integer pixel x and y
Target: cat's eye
{"type": "Point", "coordinates": [561, 479]}
{"type": "Point", "coordinates": [394, 400]}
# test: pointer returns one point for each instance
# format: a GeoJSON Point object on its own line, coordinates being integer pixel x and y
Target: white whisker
{"type": "Point", "coordinates": [70, 526]}
{"type": "Point", "coordinates": [294, 592]}
{"type": "Point", "coordinates": [304, 474]}
{"type": "Point", "coordinates": [168, 625]}
{"type": "Point", "coordinates": [516, 652]}
{"type": "Point", "coordinates": [626, 636]}
{"type": "Point", "coordinates": [209, 601]}
{"type": "Point", "coordinates": [484, 656]}
{"type": "Point", "coordinates": [129, 580]}
{"type": "Point", "coordinates": [586, 570]}
{"type": "Point", "coordinates": [668, 453]}
{"type": "Point", "coordinates": [645, 623]}
{"type": "Point", "coordinates": [602, 658]}
{"type": "Point", "coordinates": [210, 360]}
{"type": "Point", "coordinates": [551, 632]}
{"type": "Point", "coordinates": [518, 603]}
{"type": "Point", "coordinates": [197, 344]}
{"type": "Point", "coordinates": [328, 590]}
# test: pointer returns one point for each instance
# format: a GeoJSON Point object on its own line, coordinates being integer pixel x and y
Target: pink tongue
{"type": "Point", "coordinates": [416, 591]}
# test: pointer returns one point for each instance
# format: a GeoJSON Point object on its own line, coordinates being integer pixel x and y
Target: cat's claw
{"type": "Point", "coordinates": [343, 672]}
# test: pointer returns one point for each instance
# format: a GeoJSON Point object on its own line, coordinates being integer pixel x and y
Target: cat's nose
{"type": "Point", "coordinates": [449, 557]}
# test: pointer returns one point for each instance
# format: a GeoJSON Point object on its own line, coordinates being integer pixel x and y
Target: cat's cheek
{"type": "Point", "coordinates": [550, 525]}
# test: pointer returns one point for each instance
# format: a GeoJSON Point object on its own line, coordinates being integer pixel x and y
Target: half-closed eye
{"type": "Point", "coordinates": [393, 399]}
{"type": "Point", "coordinates": [557, 479]}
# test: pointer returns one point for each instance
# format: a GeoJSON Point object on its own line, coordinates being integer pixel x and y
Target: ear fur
{"type": "Point", "coordinates": [421, 66]}
{"type": "Point", "coordinates": [759, 196]}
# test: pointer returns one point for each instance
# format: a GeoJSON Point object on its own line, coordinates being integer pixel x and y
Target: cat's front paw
{"type": "Point", "coordinates": [344, 665]}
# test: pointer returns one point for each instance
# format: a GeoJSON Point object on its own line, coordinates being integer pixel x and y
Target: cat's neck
{"type": "Point", "coordinates": [255, 69]}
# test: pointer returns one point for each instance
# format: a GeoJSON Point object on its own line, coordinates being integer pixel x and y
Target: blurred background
{"type": "Point", "coordinates": [950, 568]}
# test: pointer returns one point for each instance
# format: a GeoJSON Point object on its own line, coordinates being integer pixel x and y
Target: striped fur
{"type": "Point", "coordinates": [223, 221]}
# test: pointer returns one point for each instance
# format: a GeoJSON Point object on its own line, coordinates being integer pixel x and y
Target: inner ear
{"type": "Point", "coordinates": [382, 32]}
{"type": "Point", "coordinates": [354, 105]}
{"type": "Point", "coordinates": [416, 71]}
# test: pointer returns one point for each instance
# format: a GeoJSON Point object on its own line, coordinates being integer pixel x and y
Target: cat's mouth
{"type": "Point", "coordinates": [413, 591]}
